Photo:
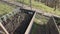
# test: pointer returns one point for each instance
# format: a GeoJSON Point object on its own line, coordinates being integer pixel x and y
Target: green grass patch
{"type": "Point", "coordinates": [39, 25]}
{"type": "Point", "coordinates": [41, 6]}
{"type": "Point", "coordinates": [4, 8]}
{"type": "Point", "coordinates": [40, 19]}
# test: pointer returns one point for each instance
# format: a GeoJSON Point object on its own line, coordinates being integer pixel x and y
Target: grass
{"type": "Point", "coordinates": [41, 6]}
{"type": "Point", "coordinates": [40, 19]}
{"type": "Point", "coordinates": [4, 8]}
{"type": "Point", "coordinates": [39, 25]}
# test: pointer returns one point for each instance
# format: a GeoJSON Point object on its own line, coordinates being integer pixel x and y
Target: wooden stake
{"type": "Point", "coordinates": [3, 28]}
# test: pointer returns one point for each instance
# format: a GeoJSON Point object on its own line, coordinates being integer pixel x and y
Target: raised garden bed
{"type": "Point", "coordinates": [17, 22]}
{"type": "Point", "coordinates": [45, 25]}
{"type": "Point", "coordinates": [57, 20]}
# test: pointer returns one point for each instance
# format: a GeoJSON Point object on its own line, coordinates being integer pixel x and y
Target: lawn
{"type": "Point", "coordinates": [41, 6]}
{"type": "Point", "coordinates": [4, 8]}
{"type": "Point", "coordinates": [39, 25]}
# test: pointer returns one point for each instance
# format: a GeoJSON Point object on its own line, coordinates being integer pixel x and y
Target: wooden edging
{"type": "Point", "coordinates": [30, 25]}
{"type": "Point", "coordinates": [3, 28]}
{"type": "Point", "coordinates": [56, 25]}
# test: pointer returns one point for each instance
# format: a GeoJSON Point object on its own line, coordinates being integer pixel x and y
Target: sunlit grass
{"type": "Point", "coordinates": [40, 19]}
{"type": "Point", "coordinates": [4, 8]}
{"type": "Point", "coordinates": [41, 6]}
{"type": "Point", "coordinates": [40, 22]}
